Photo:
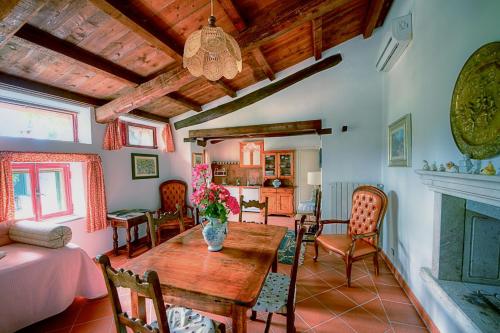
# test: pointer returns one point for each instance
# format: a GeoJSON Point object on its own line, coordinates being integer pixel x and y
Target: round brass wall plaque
{"type": "Point", "coordinates": [475, 114]}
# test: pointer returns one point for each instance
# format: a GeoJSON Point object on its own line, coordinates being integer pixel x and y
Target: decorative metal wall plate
{"type": "Point", "coordinates": [475, 114]}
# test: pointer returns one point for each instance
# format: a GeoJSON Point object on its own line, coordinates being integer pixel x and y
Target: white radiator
{"type": "Point", "coordinates": [342, 203]}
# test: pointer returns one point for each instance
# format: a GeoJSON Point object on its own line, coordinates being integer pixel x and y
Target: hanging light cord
{"type": "Point", "coordinates": [212, 7]}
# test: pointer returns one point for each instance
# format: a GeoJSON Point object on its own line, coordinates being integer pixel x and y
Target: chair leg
{"type": "Point", "coordinates": [290, 322]}
{"type": "Point", "coordinates": [315, 251]}
{"type": "Point", "coordinates": [348, 269]}
{"type": "Point", "coordinates": [254, 315]}
{"type": "Point", "coordinates": [375, 263]}
{"type": "Point", "coordinates": [268, 322]}
{"type": "Point", "coordinates": [222, 328]}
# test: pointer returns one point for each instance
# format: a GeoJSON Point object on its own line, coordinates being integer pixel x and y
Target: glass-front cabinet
{"type": "Point", "coordinates": [285, 165]}
{"type": "Point", "coordinates": [270, 165]}
{"type": "Point", "coordinates": [279, 164]}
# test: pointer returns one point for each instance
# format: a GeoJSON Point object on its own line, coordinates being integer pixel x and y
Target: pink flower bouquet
{"type": "Point", "coordinates": [213, 200]}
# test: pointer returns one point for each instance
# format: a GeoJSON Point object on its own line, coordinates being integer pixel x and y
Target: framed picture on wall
{"type": "Point", "coordinates": [197, 158]}
{"type": "Point", "coordinates": [399, 142]}
{"type": "Point", "coordinates": [144, 166]}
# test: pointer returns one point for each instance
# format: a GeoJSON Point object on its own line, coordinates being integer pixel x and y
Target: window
{"type": "Point", "coordinates": [139, 135]}
{"type": "Point", "coordinates": [38, 123]}
{"type": "Point", "coordinates": [41, 190]}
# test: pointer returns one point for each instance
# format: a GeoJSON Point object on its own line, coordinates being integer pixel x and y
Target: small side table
{"type": "Point", "coordinates": [128, 223]}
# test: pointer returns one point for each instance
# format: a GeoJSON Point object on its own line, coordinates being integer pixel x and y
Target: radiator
{"type": "Point", "coordinates": [342, 203]}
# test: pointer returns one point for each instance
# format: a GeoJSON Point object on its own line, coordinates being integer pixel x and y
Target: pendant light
{"type": "Point", "coordinates": [211, 52]}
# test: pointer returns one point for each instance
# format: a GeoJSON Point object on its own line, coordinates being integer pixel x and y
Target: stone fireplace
{"type": "Point", "coordinates": [465, 272]}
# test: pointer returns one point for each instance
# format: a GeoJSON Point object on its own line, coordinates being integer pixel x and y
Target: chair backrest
{"type": "Point", "coordinates": [163, 219]}
{"type": "Point", "coordinates": [147, 286]}
{"type": "Point", "coordinates": [253, 204]}
{"type": "Point", "coordinates": [173, 192]}
{"type": "Point", "coordinates": [369, 205]}
{"type": "Point", "coordinates": [293, 274]}
{"type": "Point", "coordinates": [317, 206]}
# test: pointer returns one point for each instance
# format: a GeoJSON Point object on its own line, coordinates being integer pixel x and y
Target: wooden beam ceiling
{"type": "Point", "coordinates": [259, 94]}
{"type": "Point", "coordinates": [263, 64]}
{"type": "Point", "coordinates": [317, 31]}
{"type": "Point", "coordinates": [254, 131]}
{"type": "Point", "coordinates": [233, 14]}
{"type": "Point", "coordinates": [372, 17]}
{"type": "Point", "coordinates": [14, 14]}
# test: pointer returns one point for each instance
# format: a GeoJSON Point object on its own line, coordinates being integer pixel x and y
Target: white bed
{"type": "Point", "coordinates": [38, 282]}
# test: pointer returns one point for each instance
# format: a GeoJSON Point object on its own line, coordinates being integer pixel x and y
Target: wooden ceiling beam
{"type": "Point", "coordinates": [277, 22]}
{"type": "Point", "coordinates": [233, 14]}
{"type": "Point", "coordinates": [14, 14]}
{"type": "Point", "coordinates": [224, 87]}
{"type": "Point", "coordinates": [372, 17]}
{"type": "Point", "coordinates": [48, 41]}
{"type": "Point", "coordinates": [317, 31]}
{"type": "Point", "coordinates": [149, 116]}
{"type": "Point", "coordinates": [145, 93]}
{"type": "Point", "coordinates": [120, 10]}
{"type": "Point", "coordinates": [259, 94]}
{"type": "Point", "coordinates": [262, 62]}
{"type": "Point", "coordinates": [181, 100]}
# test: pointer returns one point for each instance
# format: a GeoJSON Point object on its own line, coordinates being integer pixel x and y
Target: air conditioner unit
{"type": "Point", "coordinates": [395, 43]}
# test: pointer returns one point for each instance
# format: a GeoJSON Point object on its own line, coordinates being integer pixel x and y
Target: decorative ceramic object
{"type": "Point", "coordinates": [451, 167]}
{"type": "Point", "coordinates": [214, 234]}
{"type": "Point", "coordinates": [489, 170]}
{"type": "Point", "coordinates": [434, 166]}
{"type": "Point", "coordinates": [477, 168]}
{"type": "Point", "coordinates": [426, 166]}
{"type": "Point", "coordinates": [276, 183]}
{"type": "Point", "coordinates": [475, 104]}
{"type": "Point", "coordinates": [442, 168]}
{"type": "Point", "coordinates": [465, 165]}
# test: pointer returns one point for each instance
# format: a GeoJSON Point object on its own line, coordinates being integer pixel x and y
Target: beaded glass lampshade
{"type": "Point", "coordinates": [212, 53]}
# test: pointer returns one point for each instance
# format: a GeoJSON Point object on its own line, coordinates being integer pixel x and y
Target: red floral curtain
{"type": "Point", "coordinates": [169, 141]}
{"type": "Point", "coordinates": [112, 136]}
{"type": "Point", "coordinates": [96, 197]}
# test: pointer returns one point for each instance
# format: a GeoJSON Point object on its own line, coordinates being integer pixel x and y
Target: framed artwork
{"type": "Point", "coordinates": [144, 166]}
{"type": "Point", "coordinates": [197, 158]}
{"type": "Point", "coordinates": [399, 142]}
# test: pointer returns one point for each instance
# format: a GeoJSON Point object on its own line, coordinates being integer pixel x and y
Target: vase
{"type": "Point", "coordinates": [214, 234]}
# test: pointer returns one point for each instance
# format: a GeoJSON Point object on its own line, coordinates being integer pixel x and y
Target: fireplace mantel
{"type": "Point", "coordinates": [480, 188]}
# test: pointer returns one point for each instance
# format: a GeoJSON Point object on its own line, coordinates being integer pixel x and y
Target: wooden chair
{"type": "Point", "coordinates": [166, 221]}
{"type": "Point", "coordinates": [253, 204]}
{"type": "Point", "coordinates": [369, 205]}
{"type": "Point", "coordinates": [174, 318]}
{"type": "Point", "coordinates": [172, 193]}
{"type": "Point", "coordinates": [278, 293]}
{"type": "Point", "coordinates": [311, 219]}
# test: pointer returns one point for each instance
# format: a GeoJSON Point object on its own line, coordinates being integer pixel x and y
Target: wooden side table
{"type": "Point", "coordinates": [128, 223]}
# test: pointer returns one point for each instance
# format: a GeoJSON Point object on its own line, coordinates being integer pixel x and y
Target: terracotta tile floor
{"type": "Point", "coordinates": [324, 303]}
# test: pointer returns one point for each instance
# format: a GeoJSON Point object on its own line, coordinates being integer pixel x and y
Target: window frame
{"type": "Point", "coordinates": [125, 137]}
{"type": "Point", "coordinates": [34, 107]}
{"type": "Point", "coordinates": [34, 170]}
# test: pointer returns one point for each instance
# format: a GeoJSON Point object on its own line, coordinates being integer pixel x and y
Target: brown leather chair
{"type": "Point", "coordinates": [174, 192]}
{"type": "Point", "coordinates": [369, 205]}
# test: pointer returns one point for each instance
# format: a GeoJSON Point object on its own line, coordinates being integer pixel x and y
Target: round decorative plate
{"type": "Point", "coordinates": [475, 114]}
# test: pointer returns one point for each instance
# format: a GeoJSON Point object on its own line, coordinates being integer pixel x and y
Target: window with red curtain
{"type": "Point", "coordinates": [138, 135]}
{"type": "Point", "coordinates": [41, 190]}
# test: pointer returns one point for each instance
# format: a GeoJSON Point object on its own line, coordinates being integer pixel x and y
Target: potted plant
{"type": "Point", "coordinates": [215, 203]}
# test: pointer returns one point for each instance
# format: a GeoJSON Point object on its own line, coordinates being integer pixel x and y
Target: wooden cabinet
{"type": "Point", "coordinates": [279, 164]}
{"type": "Point", "coordinates": [280, 200]}
{"type": "Point", "coordinates": [251, 154]}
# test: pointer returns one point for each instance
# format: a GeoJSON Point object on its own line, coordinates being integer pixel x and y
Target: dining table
{"type": "Point", "coordinates": [226, 283]}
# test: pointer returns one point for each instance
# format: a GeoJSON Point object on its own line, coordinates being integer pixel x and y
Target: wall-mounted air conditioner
{"type": "Point", "coordinates": [395, 42]}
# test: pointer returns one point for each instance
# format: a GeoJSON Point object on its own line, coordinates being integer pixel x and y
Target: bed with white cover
{"type": "Point", "coordinates": [38, 282]}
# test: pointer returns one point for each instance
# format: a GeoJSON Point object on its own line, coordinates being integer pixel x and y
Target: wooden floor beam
{"type": "Point", "coordinates": [259, 94]}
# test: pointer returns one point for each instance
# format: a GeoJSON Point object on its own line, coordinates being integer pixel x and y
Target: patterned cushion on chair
{"type": "Point", "coordinates": [184, 320]}
{"type": "Point", "coordinates": [274, 294]}
{"type": "Point", "coordinates": [286, 251]}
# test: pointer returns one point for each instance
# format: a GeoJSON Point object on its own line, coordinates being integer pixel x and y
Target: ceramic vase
{"type": "Point", "coordinates": [214, 234]}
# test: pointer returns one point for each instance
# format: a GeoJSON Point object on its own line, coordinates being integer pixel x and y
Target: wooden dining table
{"type": "Point", "coordinates": [225, 283]}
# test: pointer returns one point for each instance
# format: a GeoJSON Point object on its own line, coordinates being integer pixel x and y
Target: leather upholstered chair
{"type": "Point", "coordinates": [369, 205]}
{"type": "Point", "coordinates": [174, 192]}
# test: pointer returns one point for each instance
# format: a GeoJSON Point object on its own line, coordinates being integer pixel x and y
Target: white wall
{"type": "Point", "coordinates": [121, 191]}
{"type": "Point", "coordinates": [446, 33]}
{"type": "Point", "coordinates": [347, 94]}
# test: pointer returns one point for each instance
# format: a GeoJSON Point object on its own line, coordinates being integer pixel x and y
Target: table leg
{"type": "Point", "coordinates": [136, 234]}
{"type": "Point", "coordinates": [137, 305]}
{"type": "Point", "coordinates": [274, 267]}
{"type": "Point", "coordinates": [148, 236]}
{"type": "Point", "coordinates": [239, 317]}
{"type": "Point", "coordinates": [129, 246]}
{"type": "Point", "coordinates": [115, 241]}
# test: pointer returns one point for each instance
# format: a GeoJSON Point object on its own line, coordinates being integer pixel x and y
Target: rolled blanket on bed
{"type": "Point", "coordinates": [40, 234]}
